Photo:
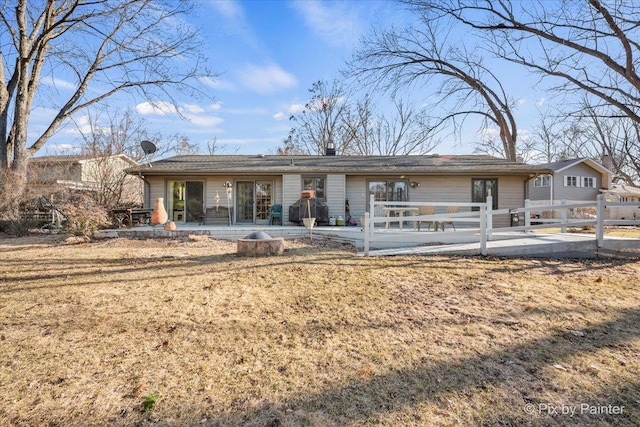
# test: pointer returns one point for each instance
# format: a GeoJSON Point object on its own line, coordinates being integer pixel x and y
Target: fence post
{"type": "Point", "coordinates": [483, 230]}
{"type": "Point", "coordinates": [365, 227]}
{"type": "Point", "coordinates": [563, 217]}
{"type": "Point", "coordinates": [527, 216]}
{"type": "Point", "coordinates": [489, 214]}
{"type": "Point", "coordinates": [372, 213]}
{"type": "Point", "coordinates": [600, 221]}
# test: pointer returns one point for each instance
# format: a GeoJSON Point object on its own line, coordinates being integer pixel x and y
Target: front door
{"type": "Point", "coordinates": [253, 201]}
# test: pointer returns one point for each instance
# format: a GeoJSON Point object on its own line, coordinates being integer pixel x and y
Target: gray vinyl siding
{"type": "Point", "coordinates": [156, 189]}
{"type": "Point", "coordinates": [539, 193]}
{"type": "Point", "coordinates": [458, 189]}
{"type": "Point", "coordinates": [357, 193]}
{"type": "Point", "coordinates": [292, 187]}
{"type": "Point", "coordinates": [336, 194]}
{"type": "Point", "coordinates": [560, 192]}
{"type": "Point", "coordinates": [441, 189]}
{"type": "Point", "coordinates": [576, 193]}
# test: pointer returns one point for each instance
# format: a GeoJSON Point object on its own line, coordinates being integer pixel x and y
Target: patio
{"type": "Point", "coordinates": [410, 241]}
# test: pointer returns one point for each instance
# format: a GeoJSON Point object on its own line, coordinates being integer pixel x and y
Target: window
{"type": "Point", "coordinates": [589, 182]}
{"type": "Point", "coordinates": [388, 191]}
{"type": "Point", "coordinates": [542, 181]}
{"type": "Point", "coordinates": [571, 181]}
{"type": "Point", "coordinates": [315, 183]}
{"type": "Point", "coordinates": [481, 188]}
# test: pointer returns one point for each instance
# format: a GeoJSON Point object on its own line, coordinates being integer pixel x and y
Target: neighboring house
{"type": "Point", "coordinates": [103, 176]}
{"type": "Point", "coordinates": [625, 194]}
{"type": "Point", "coordinates": [259, 181]}
{"type": "Point", "coordinates": [570, 180]}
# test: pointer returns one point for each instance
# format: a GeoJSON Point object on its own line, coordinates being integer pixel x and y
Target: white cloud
{"type": "Point", "coordinates": [234, 20]}
{"type": "Point", "coordinates": [489, 134]}
{"type": "Point", "coordinates": [57, 83]}
{"type": "Point", "coordinates": [229, 9]}
{"type": "Point", "coordinates": [204, 121]}
{"type": "Point", "coordinates": [214, 107]}
{"type": "Point", "coordinates": [258, 111]}
{"type": "Point", "coordinates": [193, 108]}
{"type": "Point", "coordinates": [296, 108]}
{"type": "Point", "coordinates": [335, 22]}
{"type": "Point", "coordinates": [266, 79]}
{"type": "Point", "coordinates": [156, 108]}
{"type": "Point", "coordinates": [541, 101]}
{"type": "Point", "coordinates": [218, 83]}
{"type": "Point", "coordinates": [521, 101]}
{"type": "Point", "coordinates": [280, 115]}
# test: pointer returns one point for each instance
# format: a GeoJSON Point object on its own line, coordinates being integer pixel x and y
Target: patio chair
{"type": "Point", "coordinates": [275, 211]}
{"type": "Point", "coordinates": [427, 210]}
{"type": "Point", "coordinates": [450, 210]}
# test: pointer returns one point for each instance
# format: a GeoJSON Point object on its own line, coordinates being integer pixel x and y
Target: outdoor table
{"type": "Point", "coordinates": [400, 210]}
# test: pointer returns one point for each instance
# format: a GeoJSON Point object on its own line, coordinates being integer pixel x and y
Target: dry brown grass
{"type": "Point", "coordinates": [316, 337]}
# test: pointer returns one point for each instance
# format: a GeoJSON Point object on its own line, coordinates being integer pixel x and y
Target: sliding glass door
{"type": "Point", "coordinates": [185, 201]}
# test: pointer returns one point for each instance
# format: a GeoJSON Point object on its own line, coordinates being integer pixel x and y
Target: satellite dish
{"type": "Point", "coordinates": [149, 148]}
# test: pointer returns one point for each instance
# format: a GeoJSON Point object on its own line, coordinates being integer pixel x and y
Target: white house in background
{"type": "Point", "coordinates": [625, 194]}
{"type": "Point", "coordinates": [574, 181]}
{"type": "Point", "coordinates": [105, 175]}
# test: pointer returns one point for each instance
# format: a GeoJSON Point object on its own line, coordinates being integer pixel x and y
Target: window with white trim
{"type": "Point", "coordinates": [542, 181]}
{"type": "Point", "coordinates": [589, 182]}
{"type": "Point", "coordinates": [571, 181]}
{"type": "Point", "coordinates": [315, 183]}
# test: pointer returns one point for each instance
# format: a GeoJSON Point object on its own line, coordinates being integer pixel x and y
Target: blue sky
{"type": "Point", "coordinates": [268, 54]}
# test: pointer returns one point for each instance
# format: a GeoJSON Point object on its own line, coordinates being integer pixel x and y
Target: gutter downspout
{"type": "Point", "coordinates": [146, 202]}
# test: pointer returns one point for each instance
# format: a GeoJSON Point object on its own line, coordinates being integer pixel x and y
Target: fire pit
{"type": "Point", "coordinates": [260, 243]}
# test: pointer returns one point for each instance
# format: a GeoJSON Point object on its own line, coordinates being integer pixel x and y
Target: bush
{"type": "Point", "coordinates": [11, 195]}
{"type": "Point", "coordinates": [83, 215]}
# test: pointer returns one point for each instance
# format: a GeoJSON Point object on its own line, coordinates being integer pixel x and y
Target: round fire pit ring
{"type": "Point", "coordinates": [260, 243]}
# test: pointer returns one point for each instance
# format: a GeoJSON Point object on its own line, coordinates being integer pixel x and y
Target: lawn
{"type": "Point", "coordinates": [177, 333]}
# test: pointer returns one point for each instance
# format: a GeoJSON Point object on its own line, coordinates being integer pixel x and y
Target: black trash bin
{"type": "Point", "coordinates": [514, 217]}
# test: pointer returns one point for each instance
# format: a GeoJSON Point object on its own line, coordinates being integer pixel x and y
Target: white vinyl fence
{"type": "Point", "coordinates": [563, 215]}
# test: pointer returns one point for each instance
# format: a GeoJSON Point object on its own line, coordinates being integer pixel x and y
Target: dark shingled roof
{"type": "Point", "coordinates": [351, 165]}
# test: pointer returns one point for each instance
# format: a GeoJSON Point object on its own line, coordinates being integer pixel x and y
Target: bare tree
{"type": "Point", "coordinates": [614, 139]}
{"type": "Point", "coordinates": [182, 145]}
{"type": "Point", "coordinates": [321, 121]}
{"type": "Point", "coordinates": [106, 136]}
{"type": "Point", "coordinates": [590, 48]}
{"type": "Point", "coordinates": [404, 131]}
{"type": "Point", "coordinates": [100, 48]}
{"type": "Point", "coordinates": [420, 56]}
{"type": "Point", "coordinates": [106, 132]}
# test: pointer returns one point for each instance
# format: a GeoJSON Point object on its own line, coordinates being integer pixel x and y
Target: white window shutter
{"type": "Point", "coordinates": [566, 179]}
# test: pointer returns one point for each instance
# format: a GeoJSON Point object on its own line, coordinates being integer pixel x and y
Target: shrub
{"type": "Point", "coordinates": [83, 215]}
{"type": "Point", "coordinates": [11, 195]}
